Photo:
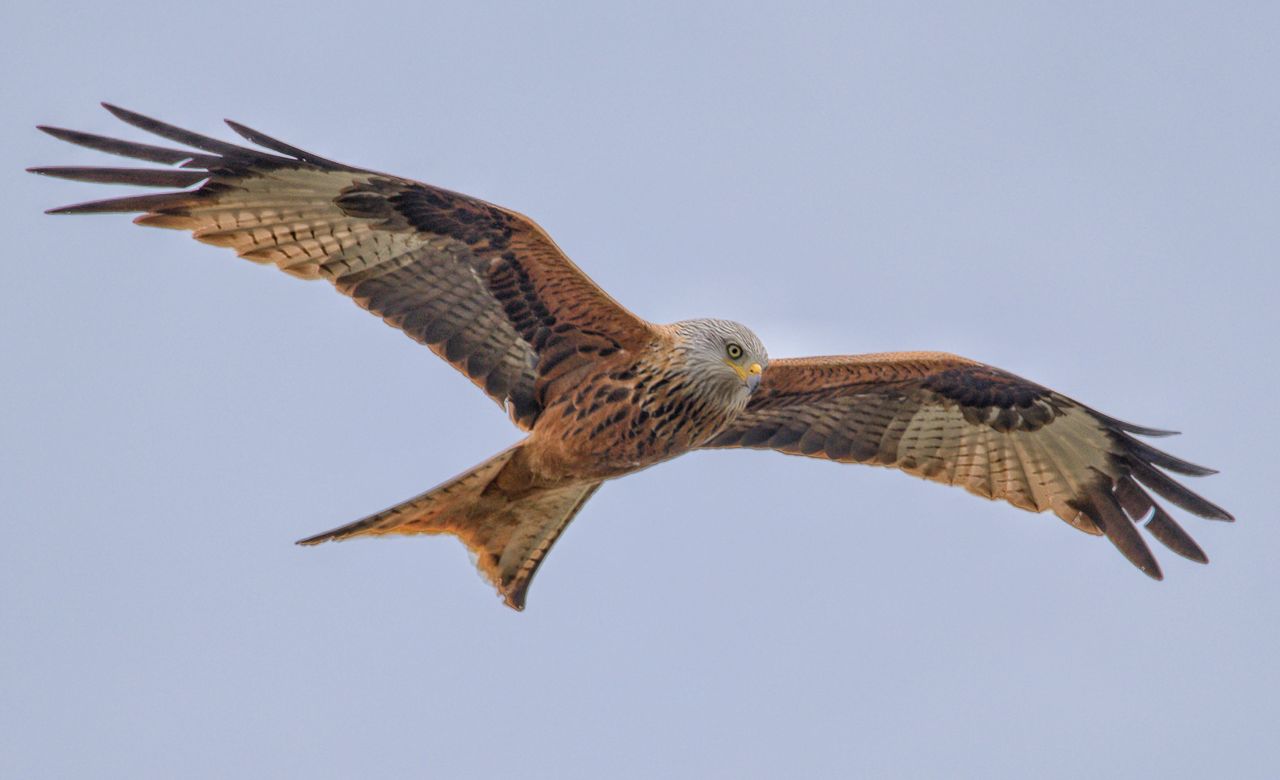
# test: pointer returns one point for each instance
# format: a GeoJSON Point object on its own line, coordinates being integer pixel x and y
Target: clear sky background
{"type": "Point", "coordinates": [1083, 194]}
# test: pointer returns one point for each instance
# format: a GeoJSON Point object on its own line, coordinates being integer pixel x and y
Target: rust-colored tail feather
{"type": "Point", "coordinates": [508, 535]}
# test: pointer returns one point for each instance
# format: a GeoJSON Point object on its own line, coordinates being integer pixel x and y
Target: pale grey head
{"type": "Point", "coordinates": [725, 356]}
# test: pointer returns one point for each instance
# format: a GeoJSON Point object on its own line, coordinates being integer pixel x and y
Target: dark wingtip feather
{"type": "Point", "coordinates": [276, 145]}
{"type": "Point", "coordinates": [1162, 459]}
{"type": "Point", "coordinates": [1130, 427]}
{"type": "Point", "coordinates": [124, 114]}
{"type": "Point", "coordinates": [174, 133]}
{"type": "Point", "coordinates": [1171, 535]}
{"type": "Point", "coordinates": [1106, 512]}
{"type": "Point", "coordinates": [137, 151]}
{"type": "Point", "coordinates": [129, 204]}
{"type": "Point", "coordinates": [1133, 500]}
{"type": "Point", "coordinates": [1176, 493]}
{"type": "Point", "coordinates": [144, 177]}
{"type": "Point", "coordinates": [61, 133]}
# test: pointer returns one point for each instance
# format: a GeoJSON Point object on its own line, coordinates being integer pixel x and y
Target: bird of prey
{"type": "Point", "coordinates": [603, 393]}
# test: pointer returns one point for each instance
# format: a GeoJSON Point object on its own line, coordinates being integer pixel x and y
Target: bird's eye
{"type": "Point", "coordinates": [734, 351]}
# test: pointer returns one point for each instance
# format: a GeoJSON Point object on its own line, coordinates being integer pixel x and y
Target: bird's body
{"type": "Point", "coordinates": [601, 392]}
{"type": "Point", "coordinates": [627, 411]}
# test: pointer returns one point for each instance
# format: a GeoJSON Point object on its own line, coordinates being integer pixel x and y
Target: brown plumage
{"type": "Point", "coordinates": [603, 393]}
{"type": "Point", "coordinates": [956, 421]}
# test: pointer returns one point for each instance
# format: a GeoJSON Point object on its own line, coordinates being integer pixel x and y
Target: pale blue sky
{"type": "Point", "coordinates": [1084, 194]}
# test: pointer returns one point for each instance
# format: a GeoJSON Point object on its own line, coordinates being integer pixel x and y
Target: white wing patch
{"type": "Point", "coordinates": [286, 217]}
{"type": "Point", "coordinates": [1034, 470]}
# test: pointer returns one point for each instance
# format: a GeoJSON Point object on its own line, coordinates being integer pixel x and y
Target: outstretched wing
{"type": "Point", "coordinates": [483, 287]}
{"type": "Point", "coordinates": [956, 421]}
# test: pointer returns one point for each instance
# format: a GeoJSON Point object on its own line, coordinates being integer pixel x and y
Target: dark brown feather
{"type": "Point", "coordinates": [144, 177]}
{"type": "Point", "coordinates": [1171, 535]}
{"type": "Point", "coordinates": [159, 154]}
{"type": "Point", "coordinates": [196, 140]}
{"type": "Point", "coordinates": [951, 420]}
{"type": "Point", "coordinates": [482, 286]}
{"type": "Point", "coordinates": [1130, 427]}
{"type": "Point", "coordinates": [266, 141]}
{"type": "Point", "coordinates": [125, 205]}
{"type": "Point", "coordinates": [1145, 452]}
{"type": "Point", "coordinates": [1175, 493]}
{"type": "Point", "coordinates": [1135, 502]}
{"type": "Point", "coordinates": [1102, 507]}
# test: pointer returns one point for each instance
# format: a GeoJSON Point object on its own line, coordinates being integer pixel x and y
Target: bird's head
{"type": "Point", "coordinates": [726, 356]}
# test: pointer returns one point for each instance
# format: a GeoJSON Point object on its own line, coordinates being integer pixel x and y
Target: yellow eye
{"type": "Point", "coordinates": [734, 351]}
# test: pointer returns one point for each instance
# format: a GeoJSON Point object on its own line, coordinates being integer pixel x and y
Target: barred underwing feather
{"type": "Point", "coordinates": [959, 422]}
{"type": "Point", "coordinates": [422, 258]}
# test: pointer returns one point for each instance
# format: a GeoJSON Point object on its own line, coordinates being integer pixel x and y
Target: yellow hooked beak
{"type": "Point", "coordinates": [749, 374]}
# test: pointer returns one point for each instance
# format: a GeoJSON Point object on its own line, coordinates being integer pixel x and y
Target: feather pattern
{"type": "Point", "coordinates": [960, 422]}
{"type": "Point", "coordinates": [604, 393]}
{"type": "Point", "coordinates": [483, 287]}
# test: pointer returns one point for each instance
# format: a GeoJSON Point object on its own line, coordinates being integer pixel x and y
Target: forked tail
{"type": "Point", "coordinates": [508, 529]}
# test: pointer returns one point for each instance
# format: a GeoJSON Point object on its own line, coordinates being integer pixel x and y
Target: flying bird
{"type": "Point", "coordinates": [603, 393]}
